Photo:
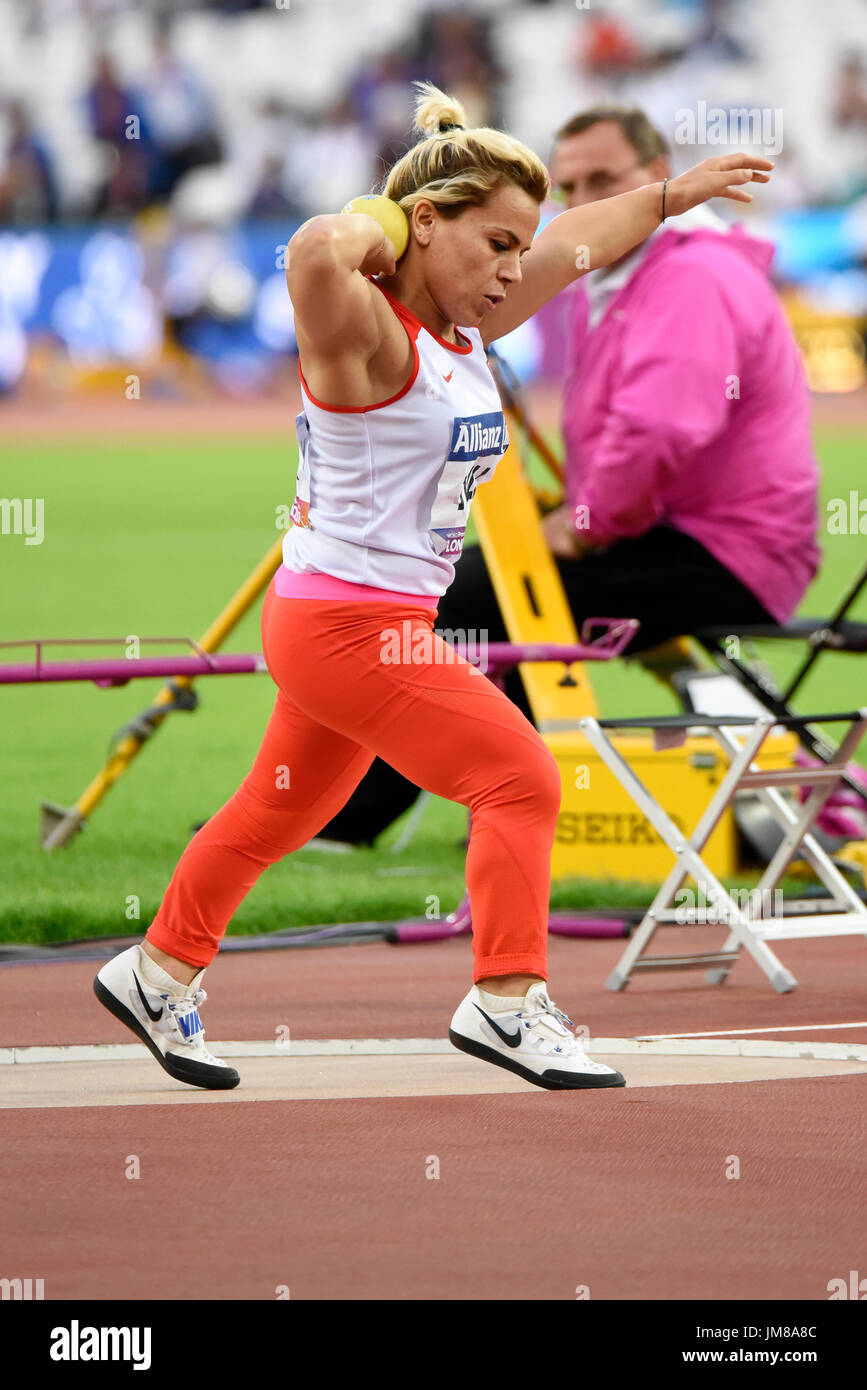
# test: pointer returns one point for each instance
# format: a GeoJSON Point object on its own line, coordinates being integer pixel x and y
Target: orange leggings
{"type": "Point", "coordinates": [442, 724]}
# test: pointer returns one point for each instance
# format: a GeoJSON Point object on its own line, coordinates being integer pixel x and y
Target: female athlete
{"type": "Point", "coordinates": [401, 422]}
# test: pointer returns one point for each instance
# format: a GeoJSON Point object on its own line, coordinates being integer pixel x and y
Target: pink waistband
{"type": "Point", "coordinates": [288, 584]}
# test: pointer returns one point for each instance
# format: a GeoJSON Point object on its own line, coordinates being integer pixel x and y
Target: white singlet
{"type": "Point", "coordinates": [383, 491]}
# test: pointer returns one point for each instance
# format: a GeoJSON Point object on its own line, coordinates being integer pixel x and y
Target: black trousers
{"type": "Point", "coordinates": [664, 578]}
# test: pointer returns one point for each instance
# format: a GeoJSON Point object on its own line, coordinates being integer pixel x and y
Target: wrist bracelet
{"type": "Point", "coordinates": [664, 186]}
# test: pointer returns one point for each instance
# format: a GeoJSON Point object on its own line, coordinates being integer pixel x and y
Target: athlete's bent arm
{"type": "Point", "coordinates": [592, 236]}
{"type": "Point", "coordinates": [326, 262]}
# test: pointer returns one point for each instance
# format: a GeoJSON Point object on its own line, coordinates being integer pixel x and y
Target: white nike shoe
{"type": "Point", "coordinates": [167, 1023]}
{"type": "Point", "coordinates": [534, 1042]}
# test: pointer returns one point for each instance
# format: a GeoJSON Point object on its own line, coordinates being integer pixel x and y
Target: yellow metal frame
{"type": "Point", "coordinates": [529, 591]}
{"type": "Point", "coordinates": [61, 823]}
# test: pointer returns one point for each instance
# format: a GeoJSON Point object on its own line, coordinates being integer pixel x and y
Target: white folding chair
{"type": "Point", "coordinates": [750, 927]}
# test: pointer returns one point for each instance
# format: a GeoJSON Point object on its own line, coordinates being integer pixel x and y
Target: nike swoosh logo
{"type": "Point", "coordinates": [450, 375]}
{"type": "Point", "coordinates": [510, 1039]}
{"type": "Point", "coordinates": [150, 1012]}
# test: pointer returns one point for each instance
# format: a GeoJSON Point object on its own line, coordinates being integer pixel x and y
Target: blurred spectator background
{"type": "Point", "coordinates": [185, 142]}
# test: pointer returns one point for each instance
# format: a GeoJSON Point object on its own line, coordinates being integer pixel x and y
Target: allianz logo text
{"type": "Point", "coordinates": [476, 435]}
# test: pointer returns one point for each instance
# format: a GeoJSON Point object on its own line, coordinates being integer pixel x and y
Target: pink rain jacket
{"type": "Point", "coordinates": [687, 405]}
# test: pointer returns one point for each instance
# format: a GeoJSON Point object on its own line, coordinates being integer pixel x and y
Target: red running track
{"type": "Point", "coordinates": [382, 991]}
{"type": "Point", "coordinates": [623, 1191]}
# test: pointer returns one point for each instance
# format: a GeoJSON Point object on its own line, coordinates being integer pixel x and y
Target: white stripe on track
{"type": "Point", "coordinates": [685, 1045]}
{"type": "Point", "coordinates": [744, 1032]}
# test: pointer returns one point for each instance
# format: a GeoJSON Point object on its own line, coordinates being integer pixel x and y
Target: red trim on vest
{"type": "Point", "coordinates": [363, 409]}
{"type": "Point", "coordinates": [403, 312]}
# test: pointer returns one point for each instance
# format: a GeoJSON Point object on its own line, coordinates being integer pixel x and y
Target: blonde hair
{"type": "Point", "coordinates": [456, 168]}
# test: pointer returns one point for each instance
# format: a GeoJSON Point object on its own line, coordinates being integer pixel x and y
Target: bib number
{"type": "Point", "coordinates": [299, 515]}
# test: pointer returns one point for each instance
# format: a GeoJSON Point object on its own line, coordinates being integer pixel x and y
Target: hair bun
{"type": "Point", "coordinates": [436, 113]}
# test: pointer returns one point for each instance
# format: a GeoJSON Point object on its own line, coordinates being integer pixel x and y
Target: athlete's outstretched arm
{"type": "Point", "coordinates": [326, 262]}
{"type": "Point", "coordinates": [586, 238]}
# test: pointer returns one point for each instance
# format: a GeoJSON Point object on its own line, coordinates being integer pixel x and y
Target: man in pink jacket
{"type": "Point", "coordinates": [691, 485]}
